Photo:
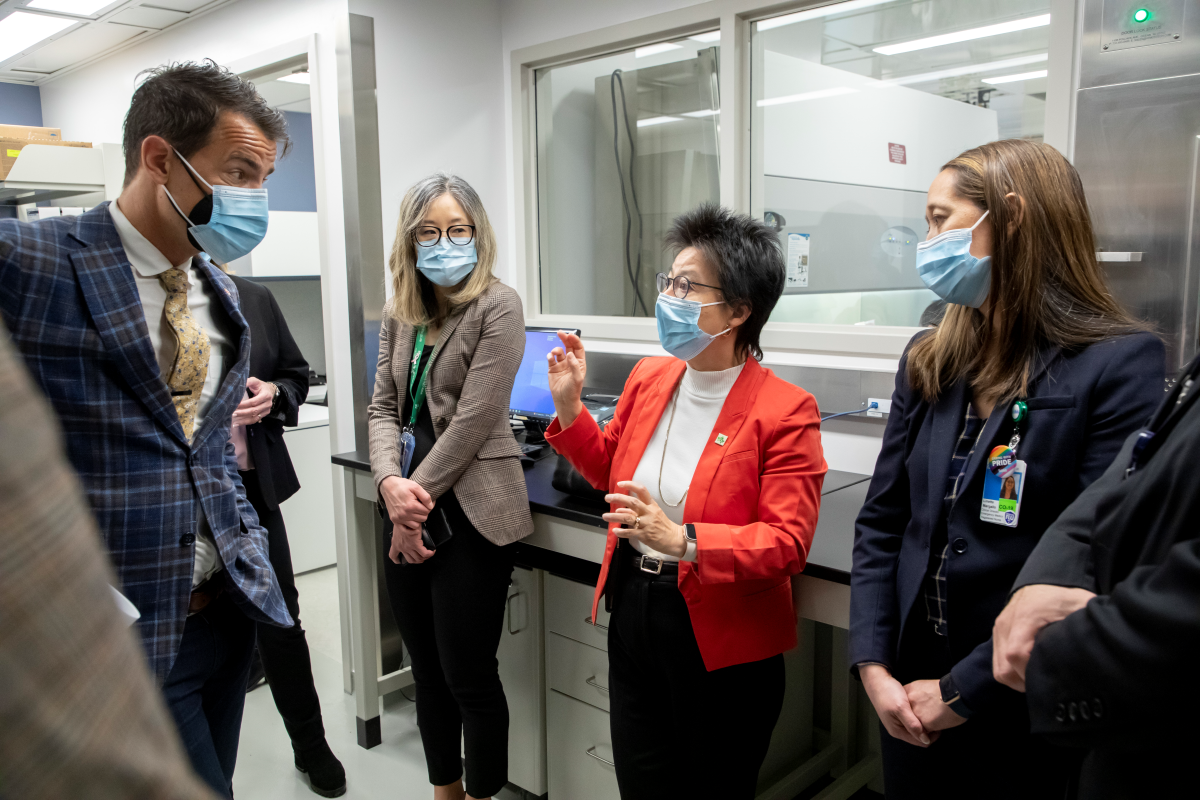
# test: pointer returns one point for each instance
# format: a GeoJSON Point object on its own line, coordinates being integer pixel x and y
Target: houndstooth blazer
{"type": "Point", "coordinates": [475, 362]}
{"type": "Point", "coordinates": [68, 295]}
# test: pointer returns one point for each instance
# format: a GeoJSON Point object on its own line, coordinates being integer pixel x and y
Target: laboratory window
{"type": "Point", "coordinates": [625, 143]}
{"type": "Point", "coordinates": [856, 106]}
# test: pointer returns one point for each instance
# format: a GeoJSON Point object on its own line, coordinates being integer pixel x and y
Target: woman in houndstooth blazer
{"type": "Point", "coordinates": [450, 317]}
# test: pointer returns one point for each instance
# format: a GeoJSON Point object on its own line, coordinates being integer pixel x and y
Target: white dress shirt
{"type": "Point", "coordinates": [698, 402]}
{"type": "Point", "coordinates": [148, 263]}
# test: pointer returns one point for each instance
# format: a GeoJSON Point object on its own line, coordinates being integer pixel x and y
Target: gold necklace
{"type": "Point", "coordinates": [663, 460]}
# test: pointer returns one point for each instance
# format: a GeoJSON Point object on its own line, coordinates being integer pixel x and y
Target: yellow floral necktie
{"type": "Point", "coordinates": [191, 352]}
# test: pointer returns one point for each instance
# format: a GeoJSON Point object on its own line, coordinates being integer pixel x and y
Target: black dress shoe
{"type": "Point", "coordinates": [326, 775]}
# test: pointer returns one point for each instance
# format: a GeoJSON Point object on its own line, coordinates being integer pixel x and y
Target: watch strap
{"type": "Point", "coordinates": [952, 697]}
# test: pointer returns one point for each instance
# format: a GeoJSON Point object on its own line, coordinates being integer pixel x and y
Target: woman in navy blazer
{"type": "Point", "coordinates": [930, 576]}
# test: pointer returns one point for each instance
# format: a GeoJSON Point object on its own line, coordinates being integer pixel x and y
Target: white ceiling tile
{"type": "Point", "coordinates": [181, 5]}
{"type": "Point", "coordinates": [147, 17]}
{"type": "Point", "coordinates": [77, 45]}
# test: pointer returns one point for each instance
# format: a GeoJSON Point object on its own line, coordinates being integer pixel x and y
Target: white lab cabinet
{"type": "Point", "coordinates": [308, 513]}
{"type": "Point", "coordinates": [522, 673]}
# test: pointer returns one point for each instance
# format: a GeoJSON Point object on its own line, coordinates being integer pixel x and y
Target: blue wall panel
{"type": "Point", "coordinates": [21, 104]}
{"type": "Point", "coordinates": [293, 185]}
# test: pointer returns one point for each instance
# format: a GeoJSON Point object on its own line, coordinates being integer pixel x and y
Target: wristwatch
{"type": "Point", "coordinates": [275, 398]}
{"type": "Point", "coordinates": [951, 696]}
{"type": "Point", "coordinates": [689, 533]}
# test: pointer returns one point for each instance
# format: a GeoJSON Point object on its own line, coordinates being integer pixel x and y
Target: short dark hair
{"type": "Point", "coordinates": [748, 260]}
{"type": "Point", "coordinates": [933, 314]}
{"type": "Point", "coordinates": [182, 102]}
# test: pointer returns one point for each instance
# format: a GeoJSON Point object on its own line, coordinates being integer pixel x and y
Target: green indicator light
{"type": "Point", "coordinates": [1141, 15]}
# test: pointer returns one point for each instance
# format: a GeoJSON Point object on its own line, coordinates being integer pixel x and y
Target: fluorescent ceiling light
{"type": "Point", "coordinates": [796, 98]}
{"type": "Point", "coordinates": [20, 31]}
{"type": "Point", "coordinates": [965, 36]}
{"type": "Point", "coordinates": [969, 69]}
{"type": "Point", "coordinates": [708, 112]}
{"type": "Point", "coordinates": [655, 49]}
{"type": "Point", "coordinates": [817, 13]}
{"type": "Point", "coordinates": [297, 77]}
{"type": "Point", "coordinates": [711, 36]}
{"type": "Point", "coordinates": [81, 8]}
{"type": "Point", "coordinates": [1024, 76]}
{"type": "Point", "coordinates": [648, 121]}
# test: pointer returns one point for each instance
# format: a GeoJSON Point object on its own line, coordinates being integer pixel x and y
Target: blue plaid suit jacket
{"type": "Point", "coordinates": [68, 296]}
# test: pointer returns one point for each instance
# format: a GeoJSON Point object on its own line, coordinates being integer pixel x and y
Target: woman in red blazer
{"type": "Point", "coordinates": [715, 468]}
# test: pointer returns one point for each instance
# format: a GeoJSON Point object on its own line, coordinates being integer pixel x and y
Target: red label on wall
{"type": "Point", "coordinates": [897, 154]}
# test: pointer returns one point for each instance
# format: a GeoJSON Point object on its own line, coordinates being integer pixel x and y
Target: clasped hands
{"type": "Point", "coordinates": [643, 520]}
{"type": "Point", "coordinates": [915, 713]}
{"type": "Point", "coordinates": [257, 405]}
{"type": "Point", "coordinates": [408, 506]}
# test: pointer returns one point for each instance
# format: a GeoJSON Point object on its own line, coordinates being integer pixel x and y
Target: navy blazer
{"type": "Point", "coordinates": [1082, 406]}
{"type": "Point", "coordinates": [68, 296]}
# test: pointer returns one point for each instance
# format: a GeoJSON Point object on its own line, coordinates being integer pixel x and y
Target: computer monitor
{"type": "Point", "coordinates": [531, 390]}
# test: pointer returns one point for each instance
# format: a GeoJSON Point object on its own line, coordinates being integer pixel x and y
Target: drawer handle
{"type": "Point", "coordinates": [591, 751]}
{"type": "Point", "coordinates": [508, 607]}
{"type": "Point", "coordinates": [592, 682]}
{"type": "Point", "coordinates": [588, 621]}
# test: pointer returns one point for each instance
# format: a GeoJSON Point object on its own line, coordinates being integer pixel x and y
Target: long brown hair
{"type": "Point", "coordinates": [1046, 287]}
{"type": "Point", "coordinates": [413, 298]}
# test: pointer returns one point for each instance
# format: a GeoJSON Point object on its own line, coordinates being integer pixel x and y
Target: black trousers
{"type": "Point", "coordinates": [679, 730]}
{"type": "Point", "coordinates": [991, 755]}
{"type": "Point", "coordinates": [284, 651]}
{"type": "Point", "coordinates": [450, 610]}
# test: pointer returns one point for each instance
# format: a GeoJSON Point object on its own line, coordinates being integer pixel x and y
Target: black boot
{"type": "Point", "coordinates": [325, 773]}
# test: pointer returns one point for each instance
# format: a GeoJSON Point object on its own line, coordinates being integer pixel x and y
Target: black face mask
{"type": "Point", "coordinates": [201, 213]}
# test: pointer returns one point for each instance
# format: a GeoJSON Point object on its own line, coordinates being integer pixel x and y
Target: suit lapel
{"type": "Point", "coordinates": [651, 411]}
{"type": "Point", "coordinates": [948, 413]}
{"type": "Point", "coordinates": [105, 278]}
{"type": "Point", "coordinates": [729, 422]}
{"type": "Point", "coordinates": [1000, 413]}
{"type": "Point", "coordinates": [233, 388]}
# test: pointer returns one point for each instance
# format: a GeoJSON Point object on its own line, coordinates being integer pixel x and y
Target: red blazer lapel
{"type": "Point", "coordinates": [733, 414]}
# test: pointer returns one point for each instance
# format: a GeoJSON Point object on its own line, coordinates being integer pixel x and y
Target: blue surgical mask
{"type": "Point", "coordinates": [228, 223]}
{"type": "Point", "coordinates": [446, 263]}
{"type": "Point", "coordinates": [947, 267]}
{"type": "Point", "coordinates": [679, 329]}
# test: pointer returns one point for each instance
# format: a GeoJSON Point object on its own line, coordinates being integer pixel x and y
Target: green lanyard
{"type": "Point", "coordinates": [418, 395]}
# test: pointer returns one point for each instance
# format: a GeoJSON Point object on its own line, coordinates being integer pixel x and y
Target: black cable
{"type": "Point", "coordinates": [637, 207]}
{"type": "Point", "coordinates": [613, 81]}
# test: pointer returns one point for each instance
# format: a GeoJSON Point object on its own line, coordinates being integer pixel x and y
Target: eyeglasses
{"type": "Point", "coordinates": [428, 236]}
{"type": "Point", "coordinates": [680, 286]}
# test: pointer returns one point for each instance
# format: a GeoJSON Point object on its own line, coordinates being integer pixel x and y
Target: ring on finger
{"type": "Point", "coordinates": [637, 523]}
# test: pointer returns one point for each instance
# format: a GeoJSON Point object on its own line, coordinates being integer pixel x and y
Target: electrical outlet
{"type": "Point", "coordinates": [885, 407]}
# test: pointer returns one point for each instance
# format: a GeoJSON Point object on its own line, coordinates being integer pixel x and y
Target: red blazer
{"type": "Point", "coordinates": [753, 500]}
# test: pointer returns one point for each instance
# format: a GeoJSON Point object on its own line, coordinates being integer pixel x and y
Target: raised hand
{"type": "Point", "coordinates": [567, 367]}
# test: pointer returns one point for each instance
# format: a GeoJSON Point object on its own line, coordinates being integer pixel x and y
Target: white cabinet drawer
{"type": "Point", "coordinates": [578, 670]}
{"type": "Point", "coordinates": [579, 747]}
{"type": "Point", "coordinates": [569, 612]}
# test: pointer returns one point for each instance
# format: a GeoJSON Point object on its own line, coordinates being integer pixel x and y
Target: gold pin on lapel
{"type": "Point", "coordinates": [721, 439]}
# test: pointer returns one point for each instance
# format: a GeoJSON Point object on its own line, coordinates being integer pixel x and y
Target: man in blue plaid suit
{"type": "Point", "coordinates": [145, 370]}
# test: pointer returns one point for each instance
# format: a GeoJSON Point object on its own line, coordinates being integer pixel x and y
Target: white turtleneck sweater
{"type": "Point", "coordinates": [698, 402]}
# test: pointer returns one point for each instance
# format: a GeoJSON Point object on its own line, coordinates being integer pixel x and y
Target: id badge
{"type": "Point", "coordinates": [1002, 492]}
{"type": "Point", "coordinates": [408, 443]}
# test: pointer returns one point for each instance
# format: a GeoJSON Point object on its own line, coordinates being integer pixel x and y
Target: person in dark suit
{"type": "Point", "coordinates": [1111, 596]}
{"type": "Point", "coordinates": [1033, 356]}
{"type": "Point", "coordinates": [276, 389]}
{"type": "Point", "coordinates": [143, 352]}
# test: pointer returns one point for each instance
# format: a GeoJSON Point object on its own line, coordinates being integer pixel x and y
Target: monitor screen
{"type": "Point", "coordinates": [531, 389]}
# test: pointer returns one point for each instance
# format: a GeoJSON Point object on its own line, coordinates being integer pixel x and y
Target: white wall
{"type": "Point", "coordinates": [441, 105]}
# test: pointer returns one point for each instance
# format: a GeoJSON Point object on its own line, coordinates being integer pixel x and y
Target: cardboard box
{"type": "Point", "coordinates": [11, 148]}
{"type": "Point", "coordinates": [29, 132]}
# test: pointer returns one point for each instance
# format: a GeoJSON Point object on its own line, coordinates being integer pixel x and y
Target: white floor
{"type": "Point", "coordinates": [394, 770]}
